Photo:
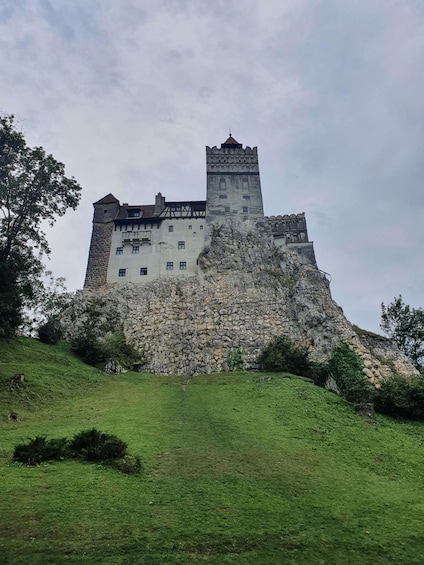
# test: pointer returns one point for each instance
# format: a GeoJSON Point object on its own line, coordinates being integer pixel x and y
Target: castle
{"type": "Point", "coordinates": [143, 243]}
{"type": "Point", "coordinates": [190, 283]}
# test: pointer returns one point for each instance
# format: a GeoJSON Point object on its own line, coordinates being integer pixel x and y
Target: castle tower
{"type": "Point", "coordinates": [233, 183]}
{"type": "Point", "coordinates": [105, 212]}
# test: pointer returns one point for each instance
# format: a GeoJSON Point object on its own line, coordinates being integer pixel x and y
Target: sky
{"type": "Point", "coordinates": [128, 93]}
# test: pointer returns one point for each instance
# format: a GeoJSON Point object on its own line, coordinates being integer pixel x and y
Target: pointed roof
{"type": "Point", "coordinates": [231, 142]}
{"type": "Point", "coordinates": [108, 199]}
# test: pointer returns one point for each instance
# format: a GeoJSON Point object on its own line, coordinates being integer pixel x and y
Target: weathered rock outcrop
{"type": "Point", "coordinates": [247, 291]}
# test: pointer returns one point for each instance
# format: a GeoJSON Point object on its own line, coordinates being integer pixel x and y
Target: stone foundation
{"type": "Point", "coordinates": [248, 291]}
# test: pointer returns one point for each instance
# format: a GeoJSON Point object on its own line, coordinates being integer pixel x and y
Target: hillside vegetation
{"type": "Point", "coordinates": [238, 468]}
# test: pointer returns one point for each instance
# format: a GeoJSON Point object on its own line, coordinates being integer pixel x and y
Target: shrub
{"type": "Point", "coordinates": [93, 445]}
{"type": "Point", "coordinates": [401, 397]}
{"type": "Point", "coordinates": [129, 465]}
{"type": "Point", "coordinates": [319, 373]}
{"type": "Point", "coordinates": [234, 359]}
{"type": "Point", "coordinates": [41, 449]}
{"type": "Point", "coordinates": [282, 355]}
{"type": "Point", "coordinates": [345, 366]}
{"type": "Point", "coordinates": [49, 332]}
{"type": "Point", "coordinates": [87, 346]}
{"type": "Point", "coordinates": [95, 348]}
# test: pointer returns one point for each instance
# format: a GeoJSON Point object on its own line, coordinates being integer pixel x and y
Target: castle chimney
{"type": "Point", "coordinates": [159, 203]}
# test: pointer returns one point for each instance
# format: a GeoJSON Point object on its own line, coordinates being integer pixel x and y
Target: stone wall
{"type": "Point", "coordinates": [98, 258]}
{"type": "Point", "coordinates": [247, 291]}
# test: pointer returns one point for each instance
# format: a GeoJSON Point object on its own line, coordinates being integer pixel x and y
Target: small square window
{"type": "Point", "coordinates": [245, 209]}
{"type": "Point", "coordinates": [136, 249]}
{"type": "Point", "coordinates": [201, 227]}
{"type": "Point", "coordinates": [122, 272]}
{"type": "Point", "coordinates": [143, 271]}
{"type": "Point", "coordinates": [169, 265]}
{"type": "Point", "coordinates": [246, 197]}
{"type": "Point", "coordinates": [227, 208]}
{"type": "Point", "coordinates": [190, 227]}
{"type": "Point", "coordinates": [119, 250]}
{"type": "Point", "coordinates": [222, 196]}
{"type": "Point", "coordinates": [181, 245]}
{"type": "Point", "coordinates": [183, 265]}
{"type": "Point", "coordinates": [170, 228]}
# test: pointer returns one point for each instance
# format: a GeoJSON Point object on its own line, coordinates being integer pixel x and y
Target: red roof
{"type": "Point", "coordinates": [147, 211]}
{"type": "Point", "coordinates": [108, 199]}
{"type": "Point", "coordinates": [231, 141]}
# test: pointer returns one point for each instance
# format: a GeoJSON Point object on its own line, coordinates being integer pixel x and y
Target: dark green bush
{"type": "Point", "coordinates": [345, 366]}
{"type": "Point", "coordinates": [50, 332]}
{"type": "Point", "coordinates": [97, 349]}
{"type": "Point", "coordinates": [282, 354]}
{"type": "Point", "coordinates": [87, 345]}
{"type": "Point", "coordinates": [401, 397]}
{"type": "Point", "coordinates": [41, 449]}
{"type": "Point", "coordinates": [93, 445]}
{"type": "Point", "coordinates": [318, 372]}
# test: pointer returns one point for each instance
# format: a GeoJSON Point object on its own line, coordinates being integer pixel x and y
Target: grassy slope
{"type": "Point", "coordinates": [235, 471]}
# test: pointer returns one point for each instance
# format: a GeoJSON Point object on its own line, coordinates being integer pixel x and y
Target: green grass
{"type": "Point", "coordinates": [235, 471]}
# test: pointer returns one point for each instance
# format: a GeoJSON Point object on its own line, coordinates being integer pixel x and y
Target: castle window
{"type": "Point", "coordinates": [136, 249]}
{"type": "Point", "coordinates": [169, 266]}
{"type": "Point", "coordinates": [190, 227]}
{"type": "Point", "coordinates": [201, 227]}
{"type": "Point", "coordinates": [181, 245]}
{"type": "Point", "coordinates": [227, 208]}
{"type": "Point", "coordinates": [299, 250]}
{"type": "Point", "coordinates": [122, 272]}
{"type": "Point", "coordinates": [245, 183]}
{"type": "Point", "coordinates": [245, 209]}
{"type": "Point", "coordinates": [223, 196]}
{"type": "Point", "coordinates": [134, 213]}
{"type": "Point", "coordinates": [119, 250]}
{"type": "Point", "coordinates": [222, 184]}
{"type": "Point", "coordinates": [170, 228]}
{"type": "Point", "coordinates": [183, 265]}
{"type": "Point", "coordinates": [246, 197]}
{"type": "Point", "coordinates": [143, 271]}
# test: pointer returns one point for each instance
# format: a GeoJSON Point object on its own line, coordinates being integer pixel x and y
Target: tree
{"type": "Point", "coordinates": [33, 190]}
{"type": "Point", "coordinates": [10, 302]}
{"type": "Point", "coordinates": [405, 326]}
{"type": "Point", "coordinates": [41, 316]}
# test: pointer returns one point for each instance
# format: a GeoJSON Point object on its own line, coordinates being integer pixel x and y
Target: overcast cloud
{"type": "Point", "coordinates": [128, 93]}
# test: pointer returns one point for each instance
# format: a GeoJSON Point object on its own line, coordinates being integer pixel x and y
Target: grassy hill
{"type": "Point", "coordinates": [237, 470]}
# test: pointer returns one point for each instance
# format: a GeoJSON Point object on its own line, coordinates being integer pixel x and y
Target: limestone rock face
{"type": "Point", "coordinates": [247, 291]}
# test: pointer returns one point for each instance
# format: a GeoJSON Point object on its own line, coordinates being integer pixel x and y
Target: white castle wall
{"type": "Point", "coordinates": [178, 241]}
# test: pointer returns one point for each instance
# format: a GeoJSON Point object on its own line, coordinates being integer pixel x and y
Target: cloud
{"type": "Point", "coordinates": [128, 93]}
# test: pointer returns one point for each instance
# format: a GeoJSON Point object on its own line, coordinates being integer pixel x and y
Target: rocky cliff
{"type": "Point", "coordinates": [247, 291]}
